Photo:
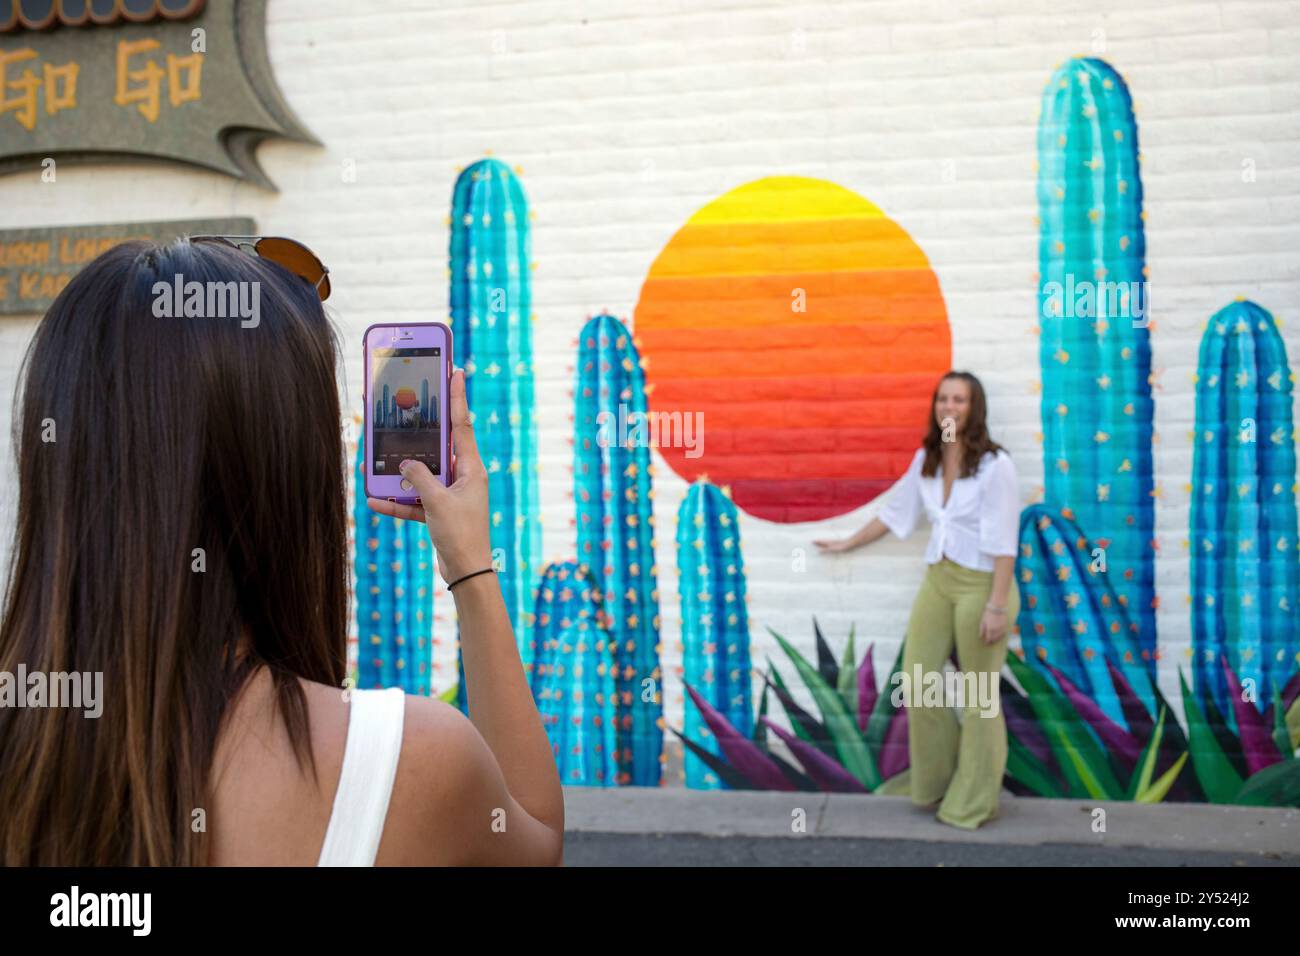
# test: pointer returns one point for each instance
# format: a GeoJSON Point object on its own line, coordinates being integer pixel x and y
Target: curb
{"type": "Point", "coordinates": [1025, 821]}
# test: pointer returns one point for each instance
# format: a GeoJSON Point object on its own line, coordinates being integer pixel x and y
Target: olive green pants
{"type": "Point", "coordinates": [960, 764]}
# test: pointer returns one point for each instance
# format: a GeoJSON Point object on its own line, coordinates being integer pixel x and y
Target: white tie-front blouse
{"type": "Point", "coordinates": [981, 520]}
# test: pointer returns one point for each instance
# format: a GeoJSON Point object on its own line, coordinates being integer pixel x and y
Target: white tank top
{"type": "Point", "coordinates": [366, 779]}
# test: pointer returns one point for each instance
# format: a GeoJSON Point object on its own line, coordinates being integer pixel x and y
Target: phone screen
{"type": "Point", "coordinates": [405, 385]}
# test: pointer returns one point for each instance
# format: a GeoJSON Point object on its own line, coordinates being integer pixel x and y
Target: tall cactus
{"type": "Point", "coordinates": [1243, 535]}
{"type": "Point", "coordinates": [1095, 349]}
{"type": "Point", "coordinates": [573, 675]}
{"type": "Point", "coordinates": [394, 569]}
{"type": "Point", "coordinates": [715, 622]}
{"type": "Point", "coordinates": [615, 518]}
{"type": "Point", "coordinates": [491, 313]}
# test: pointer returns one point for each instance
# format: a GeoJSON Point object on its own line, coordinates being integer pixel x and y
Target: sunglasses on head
{"type": "Point", "coordinates": [289, 253]}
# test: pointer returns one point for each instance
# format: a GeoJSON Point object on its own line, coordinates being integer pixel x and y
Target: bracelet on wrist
{"type": "Point", "coordinates": [995, 610]}
{"type": "Point", "coordinates": [472, 574]}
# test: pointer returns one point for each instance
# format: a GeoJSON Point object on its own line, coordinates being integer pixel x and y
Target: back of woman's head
{"type": "Point", "coordinates": [180, 521]}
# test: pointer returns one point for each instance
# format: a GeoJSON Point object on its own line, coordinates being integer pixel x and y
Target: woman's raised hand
{"type": "Point", "coordinates": [456, 514]}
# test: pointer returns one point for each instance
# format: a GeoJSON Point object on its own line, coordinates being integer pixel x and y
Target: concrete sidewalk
{"type": "Point", "coordinates": [1204, 832]}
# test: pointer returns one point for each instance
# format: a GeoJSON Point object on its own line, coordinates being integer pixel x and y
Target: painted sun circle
{"type": "Point", "coordinates": [808, 331]}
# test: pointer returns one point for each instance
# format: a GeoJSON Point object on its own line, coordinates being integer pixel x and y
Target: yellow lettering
{"type": "Point", "coordinates": [74, 251]}
{"type": "Point", "coordinates": [51, 286]}
{"type": "Point", "coordinates": [54, 100]}
{"type": "Point", "coordinates": [184, 89]}
{"type": "Point", "coordinates": [147, 96]}
{"type": "Point", "coordinates": [23, 106]}
{"type": "Point", "coordinates": [41, 285]}
{"type": "Point", "coordinates": [24, 254]}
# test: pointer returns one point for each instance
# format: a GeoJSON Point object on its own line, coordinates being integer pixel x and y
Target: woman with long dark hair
{"type": "Point", "coordinates": [182, 530]}
{"type": "Point", "coordinates": [966, 484]}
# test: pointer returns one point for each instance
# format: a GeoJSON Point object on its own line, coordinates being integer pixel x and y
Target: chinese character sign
{"type": "Point", "coordinates": [193, 85]}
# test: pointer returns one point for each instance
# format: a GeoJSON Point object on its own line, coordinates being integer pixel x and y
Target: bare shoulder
{"type": "Point", "coordinates": [442, 773]}
{"type": "Point", "coordinates": [451, 805]}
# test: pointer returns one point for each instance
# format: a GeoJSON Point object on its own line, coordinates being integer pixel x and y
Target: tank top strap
{"type": "Point", "coordinates": [366, 779]}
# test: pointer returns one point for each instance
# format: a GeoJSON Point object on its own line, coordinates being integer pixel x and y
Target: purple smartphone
{"type": "Point", "coordinates": [408, 376]}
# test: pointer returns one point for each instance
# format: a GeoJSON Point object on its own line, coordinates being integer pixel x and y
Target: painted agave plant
{"type": "Point", "coordinates": [1061, 743]}
{"type": "Point", "coordinates": [856, 743]}
{"type": "Point", "coordinates": [1258, 764]}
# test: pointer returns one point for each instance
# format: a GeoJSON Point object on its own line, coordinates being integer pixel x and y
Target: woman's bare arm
{"type": "Point", "coordinates": [506, 804]}
{"type": "Point", "coordinates": [1004, 566]}
{"type": "Point", "coordinates": [871, 531]}
{"type": "Point", "coordinates": [995, 625]}
{"type": "Point", "coordinates": [501, 702]}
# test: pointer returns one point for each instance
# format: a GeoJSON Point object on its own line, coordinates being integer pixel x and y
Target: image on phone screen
{"type": "Point", "coordinates": [404, 408]}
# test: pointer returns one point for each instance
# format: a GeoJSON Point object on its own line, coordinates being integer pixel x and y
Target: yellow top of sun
{"type": "Point", "coordinates": [786, 199]}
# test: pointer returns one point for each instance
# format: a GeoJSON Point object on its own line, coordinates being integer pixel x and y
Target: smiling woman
{"type": "Point", "coordinates": [966, 485]}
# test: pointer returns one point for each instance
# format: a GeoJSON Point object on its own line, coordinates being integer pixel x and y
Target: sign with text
{"type": "Point", "coordinates": [35, 264]}
{"type": "Point", "coordinates": [97, 80]}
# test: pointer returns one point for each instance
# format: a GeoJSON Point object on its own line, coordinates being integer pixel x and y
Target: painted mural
{"type": "Point", "coordinates": [711, 331]}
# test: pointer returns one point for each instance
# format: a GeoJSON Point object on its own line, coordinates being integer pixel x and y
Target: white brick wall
{"type": "Point", "coordinates": [626, 117]}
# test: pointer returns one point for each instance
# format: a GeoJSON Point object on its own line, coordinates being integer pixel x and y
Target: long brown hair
{"type": "Point", "coordinates": [974, 436]}
{"type": "Point", "coordinates": [169, 435]}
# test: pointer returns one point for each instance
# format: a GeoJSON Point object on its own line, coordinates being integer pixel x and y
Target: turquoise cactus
{"type": "Point", "coordinates": [394, 564]}
{"type": "Point", "coordinates": [573, 675]}
{"type": "Point", "coordinates": [715, 622]}
{"type": "Point", "coordinates": [1070, 614]}
{"type": "Point", "coordinates": [491, 313]}
{"type": "Point", "coordinates": [1243, 534]}
{"type": "Point", "coordinates": [1095, 349]}
{"type": "Point", "coordinates": [615, 519]}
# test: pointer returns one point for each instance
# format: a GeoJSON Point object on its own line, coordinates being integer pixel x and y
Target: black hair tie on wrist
{"type": "Point", "coordinates": [468, 576]}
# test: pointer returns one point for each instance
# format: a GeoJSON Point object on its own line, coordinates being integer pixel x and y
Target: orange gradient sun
{"type": "Point", "coordinates": [809, 331]}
